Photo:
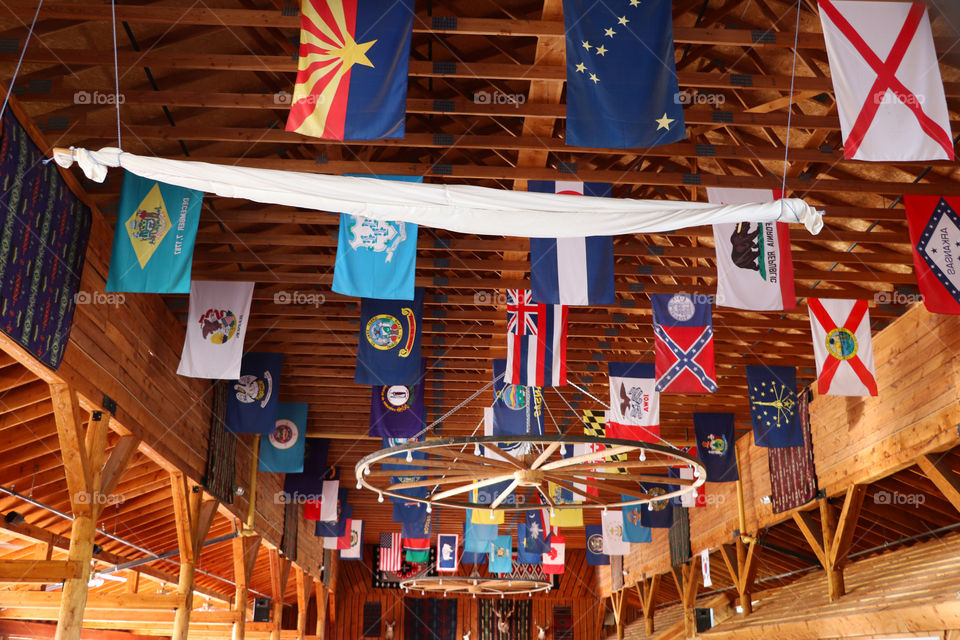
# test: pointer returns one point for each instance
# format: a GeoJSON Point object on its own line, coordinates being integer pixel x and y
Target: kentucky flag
{"type": "Point", "coordinates": [397, 411]}
{"type": "Point", "coordinates": [934, 226]}
{"type": "Point", "coordinates": [352, 75]}
{"type": "Point", "coordinates": [517, 410]}
{"type": "Point", "coordinates": [376, 258]}
{"type": "Point", "coordinates": [252, 399]}
{"type": "Point", "coordinates": [657, 514]}
{"type": "Point", "coordinates": [633, 529]}
{"type": "Point", "coordinates": [683, 344]}
{"type": "Point", "coordinates": [282, 450]}
{"type": "Point", "coordinates": [716, 445]}
{"type": "Point", "coordinates": [536, 341]}
{"type": "Point", "coordinates": [500, 558]}
{"type": "Point", "coordinates": [773, 406]}
{"type": "Point", "coordinates": [389, 351]}
{"type": "Point", "coordinates": [622, 88]}
{"type": "Point", "coordinates": [154, 238]}
{"type": "Point", "coordinates": [572, 271]}
{"type": "Point", "coordinates": [595, 554]}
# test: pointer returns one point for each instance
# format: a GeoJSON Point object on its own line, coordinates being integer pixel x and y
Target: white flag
{"type": "Point", "coordinates": [843, 347]}
{"type": "Point", "coordinates": [216, 325]}
{"type": "Point", "coordinates": [328, 501]}
{"type": "Point", "coordinates": [705, 567]}
{"type": "Point", "coordinates": [613, 543]}
{"type": "Point", "coordinates": [355, 551]}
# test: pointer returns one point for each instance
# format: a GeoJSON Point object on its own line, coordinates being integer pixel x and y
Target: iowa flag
{"type": "Point", "coordinates": [352, 76]}
{"type": "Point", "coordinates": [843, 347]}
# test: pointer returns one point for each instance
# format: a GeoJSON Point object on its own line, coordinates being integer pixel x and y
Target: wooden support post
{"type": "Point", "coordinates": [321, 591]}
{"type": "Point", "coordinates": [648, 599]}
{"type": "Point", "coordinates": [616, 603]}
{"type": "Point", "coordinates": [245, 549]}
{"type": "Point", "coordinates": [279, 573]}
{"type": "Point", "coordinates": [741, 562]}
{"type": "Point", "coordinates": [133, 582]}
{"type": "Point", "coordinates": [193, 516]}
{"type": "Point", "coordinates": [304, 585]}
{"type": "Point", "coordinates": [943, 476]}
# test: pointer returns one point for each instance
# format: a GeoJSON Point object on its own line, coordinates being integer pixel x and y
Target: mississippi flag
{"type": "Point", "coordinates": [536, 341]}
{"type": "Point", "coordinates": [683, 344]}
{"type": "Point", "coordinates": [390, 551]}
{"type": "Point", "coordinates": [886, 79]}
{"type": "Point", "coordinates": [935, 236]}
{"type": "Point", "coordinates": [572, 271]}
{"type": "Point", "coordinates": [352, 76]}
{"type": "Point", "coordinates": [843, 347]}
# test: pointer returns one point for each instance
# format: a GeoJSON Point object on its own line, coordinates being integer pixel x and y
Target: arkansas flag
{"type": "Point", "coordinates": [352, 75]}
{"type": "Point", "coordinates": [886, 79]}
{"type": "Point", "coordinates": [843, 347]}
{"type": "Point", "coordinates": [216, 326]}
{"type": "Point", "coordinates": [634, 402]}
{"type": "Point", "coordinates": [683, 344]}
{"type": "Point", "coordinates": [935, 237]}
{"type": "Point", "coordinates": [536, 341]}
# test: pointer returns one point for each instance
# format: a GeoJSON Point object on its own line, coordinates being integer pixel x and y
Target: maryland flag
{"type": "Point", "coordinates": [595, 424]}
{"type": "Point", "coordinates": [352, 76]}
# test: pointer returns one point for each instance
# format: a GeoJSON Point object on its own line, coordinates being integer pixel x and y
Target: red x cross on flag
{"type": "Point", "coordinates": [842, 347]}
{"type": "Point", "coordinates": [886, 79]}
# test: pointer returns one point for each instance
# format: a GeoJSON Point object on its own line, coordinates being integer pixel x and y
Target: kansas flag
{"type": "Point", "coordinates": [500, 559]}
{"type": "Point", "coordinates": [154, 238]}
{"type": "Point", "coordinates": [282, 450]}
{"type": "Point", "coordinates": [352, 76]}
{"type": "Point", "coordinates": [773, 406]}
{"type": "Point", "coordinates": [622, 88]}
{"type": "Point", "coordinates": [389, 351]}
{"type": "Point", "coordinates": [252, 399]}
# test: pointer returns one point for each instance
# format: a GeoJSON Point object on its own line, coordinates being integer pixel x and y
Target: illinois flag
{"type": "Point", "coordinates": [282, 450]}
{"type": "Point", "coordinates": [352, 75]}
{"type": "Point", "coordinates": [683, 344]}
{"type": "Point", "coordinates": [935, 237]}
{"type": "Point", "coordinates": [754, 263]}
{"type": "Point", "coordinates": [886, 78]}
{"type": "Point", "coordinates": [536, 341]}
{"type": "Point", "coordinates": [572, 271]}
{"type": "Point", "coordinates": [843, 347]}
{"type": "Point", "coordinates": [634, 402]}
{"type": "Point", "coordinates": [389, 351]}
{"type": "Point", "coordinates": [154, 238]}
{"type": "Point", "coordinates": [216, 326]}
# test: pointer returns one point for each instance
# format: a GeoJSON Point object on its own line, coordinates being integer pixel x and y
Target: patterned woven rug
{"type": "Point", "coordinates": [793, 477]}
{"type": "Point", "coordinates": [429, 619]}
{"type": "Point", "coordinates": [517, 613]}
{"type": "Point", "coordinates": [563, 623]}
{"type": "Point", "coordinates": [680, 537]}
{"type": "Point", "coordinates": [221, 449]}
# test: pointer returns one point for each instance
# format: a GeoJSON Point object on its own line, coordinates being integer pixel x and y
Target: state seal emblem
{"type": "Point", "coordinates": [285, 434]}
{"type": "Point", "coordinates": [218, 325]}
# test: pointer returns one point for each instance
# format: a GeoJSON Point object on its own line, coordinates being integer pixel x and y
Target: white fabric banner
{"type": "Point", "coordinates": [216, 326]}
{"type": "Point", "coordinates": [328, 501]}
{"type": "Point", "coordinates": [613, 543]}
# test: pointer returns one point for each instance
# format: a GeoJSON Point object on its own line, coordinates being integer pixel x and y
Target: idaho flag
{"type": "Point", "coordinates": [252, 399]}
{"type": "Point", "coordinates": [154, 237]}
{"type": "Point", "coordinates": [935, 236]}
{"type": "Point", "coordinates": [352, 76]}
{"type": "Point", "coordinates": [622, 88]}
{"type": "Point", "coordinates": [683, 344]}
{"type": "Point", "coordinates": [282, 450]}
{"type": "Point", "coordinates": [716, 445]}
{"type": "Point", "coordinates": [773, 406]}
{"type": "Point", "coordinates": [595, 554]}
{"type": "Point", "coordinates": [389, 351]}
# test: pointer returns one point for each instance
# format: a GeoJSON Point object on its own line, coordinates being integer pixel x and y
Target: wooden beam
{"type": "Point", "coordinates": [38, 571]}
{"type": "Point", "coordinates": [322, 601]}
{"type": "Point", "coordinates": [943, 476]}
{"type": "Point", "coordinates": [245, 549]}
{"type": "Point", "coordinates": [193, 517]}
{"type": "Point", "coordinates": [279, 573]}
{"type": "Point", "coordinates": [304, 586]}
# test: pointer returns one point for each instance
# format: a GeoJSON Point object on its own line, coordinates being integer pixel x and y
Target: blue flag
{"type": "Point", "coordinates": [282, 451]}
{"type": "Point", "coordinates": [500, 559]}
{"type": "Point", "coordinates": [536, 538]}
{"type": "Point", "coordinates": [389, 351]}
{"type": "Point", "coordinates": [308, 485]}
{"type": "Point", "coordinates": [416, 528]}
{"type": "Point", "coordinates": [657, 514]}
{"type": "Point", "coordinates": [517, 410]}
{"type": "Point", "coordinates": [252, 399]}
{"type": "Point", "coordinates": [473, 557]}
{"type": "Point", "coordinates": [396, 411]}
{"type": "Point", "coordinates": [402, 508]}
{"type": "Point", "coordinates": [376, 258]}
{"type": "Point", "coordinates": [154, 237]}
{"type": "Point", "coordinates": [595, 554]}
{"type": "Point", "coordinates": [633, 530]}
{"type": "Point", "coordinates": [622, 88]}
{"type": "Point", "coordinates": [477, 537]}
{"type": "Point", "coordinates": [339, 528]}
{"type": "Point", "coordinates": [773, 406]}
{"type": "Point", "coordinates": [524, 554]}
{"type": "Point", "coordinates": [716, 445]}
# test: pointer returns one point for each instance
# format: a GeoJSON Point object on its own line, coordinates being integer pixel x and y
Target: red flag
{"type": "Point", "coordinates": [935, 237]}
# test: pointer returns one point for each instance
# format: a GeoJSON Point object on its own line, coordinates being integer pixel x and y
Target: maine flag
{"type": "Point", "coordinates": [572, 271]}
{"type": "Point", "coordinates": [252, 399]}
{"type": "Point", "coordinates": [154, 237]}
{"type": "Point", "coordinates": [282, 450]}
{"type": "Point", "coordinates": [716, 445]}
{"type": "Point", "coordinates": [622, 88]}
{"type": "Point", "coordinates": [376, 258]}
{"type": "Point", "coordinates": [773, 406]}
{"type": "Point", "coordinates": [352, 75]}
{"type": "Point", "coordinates": [216, 327]}
{"type": "Point", "coordinates": [389, 351]}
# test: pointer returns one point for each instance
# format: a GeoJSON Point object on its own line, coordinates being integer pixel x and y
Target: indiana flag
{"type": "Point", "coordinates": [390, 338]}
{"type": "Point", "coordinates": [634, 402]}
{"type": "Point", "coordinates": [683, 343]}
{"type": "Point", "coordinates": [773, 406]}
{"type": "Point", "coordinates": [843, 347]}
{"type": "Point", "coordinates": [716, 445]}
{"type": "Point", "coordinates": [390, 551]}
{"type": "Point", "coordinates": [553, 560]}
{"type": "Point", "coordinates": [216, 326]}
{"type": "Point", "coordinates": [447, 544]}
{"type": "Point", "coordinates": [621, 77]}
{"type": "Point", "coordinates": [886, 78]}
{"type": "Point", "coordinates": [352, 75]}
{"type": "Point", "coordinates": [754, 263]}
{"type": "Point", "coordinates": [935, 236]}
{"type": "Point", "coordinates": [572, 271]}
{"type": "Point", "coordinates": [536, 341]}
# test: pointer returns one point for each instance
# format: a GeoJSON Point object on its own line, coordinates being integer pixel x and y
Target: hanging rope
{"type": "Point", "coordinates": [793, 76]}
{"type": "Point", "coordinates": [116, 70]}
{"type": "Point", "coordinates": [16, 71]}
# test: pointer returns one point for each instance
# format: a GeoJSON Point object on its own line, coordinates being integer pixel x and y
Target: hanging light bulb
{"type": "Point", "coordinates": [409, 456]}
{"type": "Point", "coordinates": [476, 450]}
{"type": "Point", "coordinates": [553, 512]}
{"type": "Point", "coordinates": [643, 455]}
{"type": "Point", "coordinates": [429, 507]}
{"type": "Point", "coordinates": [366, 471]}
{"type": "Point", "coordinates": [492, 514]}
{"type": "Point", "coordinates": [359, 486]}
{"type": "Point", "coordinates": [379, 497]}
{"type": "Point", "coordinates": [563, 450]}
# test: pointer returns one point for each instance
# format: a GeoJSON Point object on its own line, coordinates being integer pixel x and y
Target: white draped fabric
{"type": "Point", "coordinates": [464, 209]}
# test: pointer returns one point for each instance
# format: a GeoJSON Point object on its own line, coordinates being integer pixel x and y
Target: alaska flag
{"type": "Point", "coordinates": [282, 450]}
{"type": "Point", "coordinates": [252, 399]}
{"type": "Point", "coordinates": [595, 554]}
{"type": "Point", "coordinates": [716, 445]}
{"type": "Point", "coordinates": [622, 88]}
{"type": "Point", "coordinates": [154, 237]}
{"type": "Point", "coordinates": [396, 411]}
{"type": "Point", "coordinates": [389, 351]}
{"type": "Point", "coordinates": [773, 406]}
{"type": "Point", "coordinates": [310, 481]}
{"type": "Point", "coordinates": [572, 271]}
{"type": "Point", "coordinates": [683, 343]}
{"type": "Point", "coordinates": [633, 529]}
{"type": "Point", "coordinates": [376, 258]}
{"type": "Point", "coordinates": [657, 514]}
{"type": "Point", "coordinates": [352, 75]}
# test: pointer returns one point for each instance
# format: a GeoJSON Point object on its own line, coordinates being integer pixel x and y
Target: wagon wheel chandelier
{"type": "Point", "coordinates": [475, 586]}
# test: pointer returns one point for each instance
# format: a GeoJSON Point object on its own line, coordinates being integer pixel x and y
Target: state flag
{"type": "Point", "coordinates": [328, 500]}
{"type": "Point", "coordinates": [477, 537]}
{"type": "Point", "coordinates": [343, 542]}
{"type": "Point", "coordinates": [689, 499]}
{"type": "Point", "coordinates": [352, 74]}
{"type": "Point", "coordinates": [416, 529]}
{"type": "Point", "coordinates": [216, 327]}
{"type": "Point", "coordinates": [716, 445]}
{"type": "Point", "coordinates": [406, 507]}
{"type": "Point", "coordinates": [154, 237]}
{"type": "Point", "coordinates": [595, 425]}
{"type": "Point", "coordinates": [251, 405]}
{"type": "Point", "coordinates": [447, 544]}
{"type": "Point", "coordinates": [536, 341]}
{"type": "Point", "coordinates": [613, 541]}
{"type": "Point", "coordinates": [683, 343]}
{"type": "Point", "coordinates": [842, 347]}
{"type": "Point", "coordinates": [500, 558]}
{"type": "Point", "coordinates": [524, 554]}
{"type": "Point", "coordinates": [390, 337]}
{"type": "Point", "coordinates": [634, 402]}
{"type": "Point", "coordinates": [633, 529]}
{"type": "Point", "coordinates": [886, 79]}
{"type": "Point", "coordinates": [554, 560]}
{"type": "Point", "coordinates": [935, 239]}
{"type": "Point", "coordinates": [354, 541]}
{"type": "Point", "coordinates": [596, 553]}
{"type": "Point", "coordinates": [308, 484]}
{"type": "Point", "coordinates": [657, 514]}
{"type": "Point", "coordinates": [282, 451]}
{"type": "Point", "coordinates": [397, 410]}
{"type": "Point", "coordinates": [390, 551]}
{"type": "Point", "coordinates": [517, 409]}
{"type": "Point", "coordinates": [536, 538]}
{"type": "Point", "coordinates": [773, 406]}
{"type": "Point", "coordinates": [417, 556]}
{"type": "Point", "coordinates": [473, 557]}
{"type": "Point", "coordinates": [337, 528]}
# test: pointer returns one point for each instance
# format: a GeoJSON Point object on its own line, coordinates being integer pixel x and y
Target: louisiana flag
{"type": "Point", "coordinates": [252, 398]}
{"type": "Point", "coordinates": [935, 237]}
{"type": "Point", "coordinates": [352, 75]}
{"type": "Point", "coordinates": [683, 343]}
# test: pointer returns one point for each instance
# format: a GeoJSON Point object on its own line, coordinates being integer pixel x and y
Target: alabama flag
{"type": "Point", "coordinates": [754, 264]}
{"type": "Point", "coordinates": [536, 341]}
{"type": "Point", "coordinates": [843, 347]}
{"type": "Point", "coordinates": [935, 237]}
{"type": "Point", "coordinates": [216, 326]}
{"type": "Point", "coordinates": [886, 79]}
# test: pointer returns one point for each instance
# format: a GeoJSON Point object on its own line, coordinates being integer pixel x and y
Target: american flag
{"type": "Point", "coordinates": [390, 552]}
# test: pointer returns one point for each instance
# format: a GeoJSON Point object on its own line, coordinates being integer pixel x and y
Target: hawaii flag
{"type": "Point", "coordinates": [886, 78]}
{"type": "Point", "coordinates": [754, 264]}
{"type": "Point", "coordinates": [536, 341]}
{"type": "Point", "coordinates": [935, 236]}
{"type": "Point", "coordinates": [216, 326]}
{"type": "Point", "coordinates": [352, 76]}
{"type": "Point", "coordinates": [843, 347]}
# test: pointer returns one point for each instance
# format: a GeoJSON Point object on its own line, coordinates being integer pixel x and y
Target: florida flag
{"type": "Point", "coordinates": [843, 347]}
{"type": "Point", "coordinates": [352, 75]}
{"type": "Point", "coordinates": [683, 344]}
{"type": "Point", "coordinates": [886, 78]}
{"type": "Point", "coordinates": [935, 237]}
{"type": "Point", "coordinates": [536, 341]}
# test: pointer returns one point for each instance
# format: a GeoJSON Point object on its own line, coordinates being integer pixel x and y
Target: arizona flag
{"type": "Point", "coordinates": [634, 402]}
{"type": "Point", "coordinates": [683, 344]}
{"type": "Point", "coordinates": [536, 341]}
{"type": "Point", "coordinates": [935, 236]}
{"type": "Point", "coordinates": [843, 347]}
{"type": "Point", "coordinates": [886, 78]}
{"type": "Point", "coordinates": [352, 76]}
{"type": "Point", "coordinates": [216, 326]}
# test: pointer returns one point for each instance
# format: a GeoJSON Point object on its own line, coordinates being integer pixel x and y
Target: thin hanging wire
{"type": "Point", "coordinates": [604, 404]}
{"type": "Point", "coordinates": [793, 76]}
{"type": "Point", "coordinates": [116, 71]}
{"type": "Point", "coordinates": [16, 72]}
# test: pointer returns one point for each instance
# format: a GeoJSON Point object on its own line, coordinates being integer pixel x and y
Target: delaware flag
{"type": "Point", "coordinates": [282, 450]}
{"type": "Point", "coordinates": [153, 241]}
{"type": "Point", "coordinates": [389, 351]}
{"type": "Point", "coordinates": [352, 76]}
{"type": "Point", "coordinates": [376, 258]}
{"type": "Point", "coordinates": [935, 237]}
{"type": "Point", "coordinates": [536, 341]}
{"type": "Point", "coordinates": [572, 271]}
{"type": "Point", "coordinates": [843, 347]}
{"type": "Point", "coordinates": [216, 327]}
{"type": "Point", "coordinates": [252, 398]}
{"type": "Point", "coordinates": [773, 406]}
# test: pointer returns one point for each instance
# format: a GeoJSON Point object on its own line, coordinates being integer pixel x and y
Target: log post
{"type": "Point", "coordinates": [304, 586]}
{"type": "Point", "coordinates": [245, 549]}
{"type": "Point", "coordinates": [321, 591]}
{"type": "Point", "coordinates": [193, 516]}
{"type": "Point", "coordinates": [832, 540]}
{"type": "Point", "coordinates": [279, 572]}
{"type": "Point", "coordinates": [647, 591]}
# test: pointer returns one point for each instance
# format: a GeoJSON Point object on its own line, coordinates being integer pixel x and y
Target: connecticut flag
{"type": "Point", "coordinates": [352, 76]}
